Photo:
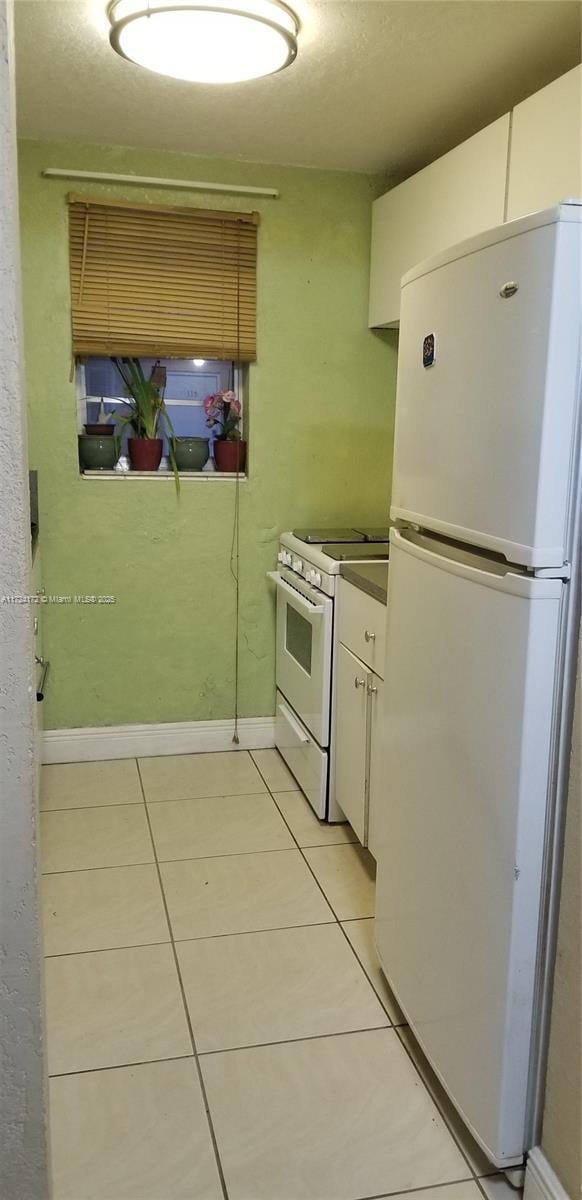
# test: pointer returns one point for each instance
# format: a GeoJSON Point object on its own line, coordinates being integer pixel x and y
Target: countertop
{"type": "Point", "coordinates": [371, 578]}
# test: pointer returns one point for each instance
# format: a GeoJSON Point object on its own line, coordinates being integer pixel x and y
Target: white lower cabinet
{"type": "Point", "coordinates": [351, 740]}
{"type": "Point", "coordinates": [357, 693]}
{"type": "Point", "coordinates": [376, 774]}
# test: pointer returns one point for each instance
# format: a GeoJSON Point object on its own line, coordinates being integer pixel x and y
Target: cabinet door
{"type": "Point", "coordinates": [377, 789]}
{"type": "Point", "coordinates": [351, 739]}
{"type": "Point", "coordinates": [453, 198]}
{"type": "Point", "coordinates": [545, 161]}
{"type": "Point", "coordinates": [362, 625]}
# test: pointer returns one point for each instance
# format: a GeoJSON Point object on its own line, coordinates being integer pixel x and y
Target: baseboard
{"type": "Point", "coordinates": [143, 741]}
{"type": "Point", "coordinates": [541, 1181]}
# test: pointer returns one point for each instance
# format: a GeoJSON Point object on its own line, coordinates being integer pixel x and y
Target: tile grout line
{"type": "Point", "coordinates": [43, 812]}
{"type": "Point", "coordinates": [437, 1105]}
{"type": "Point", "coordinates": [205, 937]}
{"type": "Point", "coordinates": [137, 803]}
{"type": "Point", "coordinates": [110, 867]}
{"type": "Point", "coordinates": [397, 1027]}
{"type": "Point", "coordinates": [299, 848]}
{"type": "Point", "coordinates": [393, 1024]}
{"type": "Point", "coordinates": [231, 854]}
{"type": "Point", "coordinates": [106, 949]}
{"type": "Point", "coordinates": [217, 796]}
{"type": "Point", "coordinates": [185, 1002]}
{"type": "Point", "coordinates": [79, 762]}
{"type": "Point", "coordinates": [169, 861]}
{"type": "Point", "coordinates": [326, 898]}
{"type": "Point", "coordinates": [291, 1041]}
{"type": "Point", "coordinates": [419, 1190]}
{"type": "Point", "coordinates": [124, 1066]}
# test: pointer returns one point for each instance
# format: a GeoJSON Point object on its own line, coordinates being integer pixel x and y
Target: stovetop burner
{"type": "Point", "coordinates": [317, 536]}
{"type": "Point", "coordinates": [366, 550]}
{"type": "Point", "coordinates": [380, 533]}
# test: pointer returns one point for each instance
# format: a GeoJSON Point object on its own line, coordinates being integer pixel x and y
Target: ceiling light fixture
{"type": "Point", "coordinates": [223, 41]}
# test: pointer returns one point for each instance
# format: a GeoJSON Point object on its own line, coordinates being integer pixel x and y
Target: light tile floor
{"type": "Point", "coordinates": [218, 1024]}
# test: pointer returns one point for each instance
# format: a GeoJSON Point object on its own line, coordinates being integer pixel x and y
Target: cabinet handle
{"type": "Point", "coordinates": [368, 636]}
{"type": "Point", "coordinates": [358, 683]}
{"type": "Point", "coordinates": [372, 691]}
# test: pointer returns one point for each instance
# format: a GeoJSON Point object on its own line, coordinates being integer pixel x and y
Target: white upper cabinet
{"type": "Point", "coordinates": [460, 194]}
{"type": "Point", "coordinates": [495, 176]}
{"type": "Point", "coordinates": [545, 162]}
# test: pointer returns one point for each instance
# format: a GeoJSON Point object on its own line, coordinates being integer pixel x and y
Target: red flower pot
{"type": "Point", "coordinates": [230, 456]}
{"type": "Point", "coordinates": [145, 454]}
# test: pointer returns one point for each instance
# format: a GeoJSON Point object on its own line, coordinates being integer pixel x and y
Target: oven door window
{"type": "Point", "coordinates": [298, 638]}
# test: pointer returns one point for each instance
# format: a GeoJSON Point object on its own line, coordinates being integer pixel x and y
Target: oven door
{"type": "Point", "coordinates": [303, 661]}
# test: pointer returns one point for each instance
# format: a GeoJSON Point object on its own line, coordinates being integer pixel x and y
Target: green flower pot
{"type": "Point", "coordinates": [97, 453]}
{"type": "Point", "coordinates": [192, 453]}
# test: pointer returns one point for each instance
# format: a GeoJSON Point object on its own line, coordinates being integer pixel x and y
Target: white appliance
{"type": "Point", "coordinates": [309, 566]}
{"type": "Point", "coordinates": [483, 618]}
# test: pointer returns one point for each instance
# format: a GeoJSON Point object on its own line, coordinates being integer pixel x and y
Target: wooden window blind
{"type": "Point", "coordinates": [162, 282]}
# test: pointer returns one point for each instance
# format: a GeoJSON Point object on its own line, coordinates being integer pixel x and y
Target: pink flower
{"type": "Point", "coordinates": [210, 402]}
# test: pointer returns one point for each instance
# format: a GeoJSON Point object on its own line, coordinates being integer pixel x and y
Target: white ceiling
{"type": "Point", "coordinates": [378, 85]}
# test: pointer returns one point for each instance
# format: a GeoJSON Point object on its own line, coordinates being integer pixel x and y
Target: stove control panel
{"type": "Point", "coordinates": [287, 559]}
{"type": "Point", "coordinates": [316, 578]}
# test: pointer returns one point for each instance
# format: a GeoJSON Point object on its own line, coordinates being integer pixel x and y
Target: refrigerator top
{"type": "Point", "coordinates": [568, 210]}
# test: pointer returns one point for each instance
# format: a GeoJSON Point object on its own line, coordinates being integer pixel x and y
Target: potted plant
{"type": "Point", "coordinates": [192, 453]}
{"type": "Point", "coordinates": [103, 426]}
{"type": "Point", "coordinates": [97, 453]}
{"type": "Point", "coordinates": [98, 447]}
{"type": "Point", "coordinates": [147, 415]}
{"type": "Point", "coordinates": [223, 413]}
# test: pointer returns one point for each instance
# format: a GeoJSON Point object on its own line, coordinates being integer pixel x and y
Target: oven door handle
{"type": "Point", "coordinates": [298, 597]}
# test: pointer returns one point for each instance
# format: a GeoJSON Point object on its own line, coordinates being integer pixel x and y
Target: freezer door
{"type": "Point", "coordinates": [468, 702]}
{"type": "Point", "coordinates": [488, 383]}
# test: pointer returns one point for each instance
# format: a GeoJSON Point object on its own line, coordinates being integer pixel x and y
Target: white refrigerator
{"type": "Point", "coordinates": [483, 617]}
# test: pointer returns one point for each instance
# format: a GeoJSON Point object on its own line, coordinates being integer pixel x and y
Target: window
{"type": "Point", "coordinates": [188, 382]}
{"type": "Point", "coordinates": [153, 282]}
{"type": "Point", "coordinates": [169, 284]}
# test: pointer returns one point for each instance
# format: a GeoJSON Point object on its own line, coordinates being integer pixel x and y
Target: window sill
{"type": "Point", "coordinates": [166, 476]}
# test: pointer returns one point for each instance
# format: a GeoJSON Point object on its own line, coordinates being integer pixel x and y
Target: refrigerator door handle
{"type": "Point", "coordinates": [502, 581]}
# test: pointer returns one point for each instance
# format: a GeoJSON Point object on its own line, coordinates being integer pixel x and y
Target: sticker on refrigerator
{"type": "Point", "coordinates": [428, 350]}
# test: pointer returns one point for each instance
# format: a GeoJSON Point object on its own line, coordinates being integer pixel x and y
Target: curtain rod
{"type": "Point", "coordinates": [189, 185]}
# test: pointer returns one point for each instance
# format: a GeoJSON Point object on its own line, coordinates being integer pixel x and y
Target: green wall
{"type": "Point", "coordinates": [321, 416]}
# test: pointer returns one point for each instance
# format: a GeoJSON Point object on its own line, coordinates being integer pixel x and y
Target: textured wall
{"type": "Point", "coordinates": [321, 404]}
{"type": "Point", "coordinates": [23, 1157]}
{"type": "Point", "coordinates": [562, 1129]}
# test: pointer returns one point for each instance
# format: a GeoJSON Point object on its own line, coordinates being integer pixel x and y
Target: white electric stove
{"type": "Point", "coordinates": [309, 565]}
